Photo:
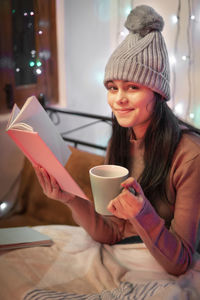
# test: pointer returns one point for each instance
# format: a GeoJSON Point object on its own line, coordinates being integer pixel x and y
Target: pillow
{"type": "Point", "coordinates": [78, 167]}
{"type": "Point", "coordinates": [34, 208]}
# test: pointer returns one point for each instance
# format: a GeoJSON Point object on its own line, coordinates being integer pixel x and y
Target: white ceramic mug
{"type": "Point", "coordinates": [105, 182]}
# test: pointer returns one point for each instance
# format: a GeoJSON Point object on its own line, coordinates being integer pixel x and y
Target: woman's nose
{"type": "Point", "coordinates": [121, 98]}
{"type": "Point", "coordinates": [123, 101]}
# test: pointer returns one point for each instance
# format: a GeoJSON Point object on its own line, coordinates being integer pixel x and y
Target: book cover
{"type": "Point", "coordinates": [37, 137]}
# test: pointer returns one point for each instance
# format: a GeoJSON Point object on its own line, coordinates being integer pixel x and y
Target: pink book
{"type": "Point", "coordinates": [35, 134]}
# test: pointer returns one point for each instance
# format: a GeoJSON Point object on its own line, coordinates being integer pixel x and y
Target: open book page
{"type": "Point", "coordinates": [13, 116]}
{"type": "Point", "coordinates": [20, 237]}
{"type": "Point", "coordinates": [33, 116]}
{"type": "Point", "coordinates": [30, 108]}
{"type": "Point", "coordinates": [15, 125]}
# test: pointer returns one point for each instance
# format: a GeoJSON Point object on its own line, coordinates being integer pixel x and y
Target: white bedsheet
{"type": "Point", "coordinates": [76, 264]}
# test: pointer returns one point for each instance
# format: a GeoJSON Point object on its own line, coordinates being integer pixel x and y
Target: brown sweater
{"type": "Point", "coordinates": [172, 246]}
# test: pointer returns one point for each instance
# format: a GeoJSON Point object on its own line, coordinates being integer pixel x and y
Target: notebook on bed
{"type": "Point", "coordinates": [21, 237]}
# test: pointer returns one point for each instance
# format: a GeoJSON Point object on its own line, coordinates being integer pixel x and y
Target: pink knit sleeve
{"type": "Point", "coordinates": [103, 229]}
{"type": "Point", "coordinates": [174, 248]}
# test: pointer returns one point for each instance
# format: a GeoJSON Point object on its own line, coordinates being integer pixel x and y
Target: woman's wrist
{"type": "Point", "coordinates": [67, 197]}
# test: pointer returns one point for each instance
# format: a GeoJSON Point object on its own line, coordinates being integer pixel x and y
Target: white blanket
{"type": "Point", "coordinates": [76, 267]}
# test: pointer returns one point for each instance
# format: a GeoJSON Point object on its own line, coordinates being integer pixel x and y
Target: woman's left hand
{"type": "Point", "coordinates": [126, 205]}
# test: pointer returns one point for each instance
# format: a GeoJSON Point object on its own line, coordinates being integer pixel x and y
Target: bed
{"type": "Point", "coordinates": [76, 267]}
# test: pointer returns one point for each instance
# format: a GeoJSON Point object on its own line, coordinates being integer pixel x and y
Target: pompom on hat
{"type": "Point", "coordinates": [142, 56]}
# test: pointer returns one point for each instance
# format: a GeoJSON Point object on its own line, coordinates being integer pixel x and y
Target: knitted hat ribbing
{"type": "Point", "coordinates": [142, 56]}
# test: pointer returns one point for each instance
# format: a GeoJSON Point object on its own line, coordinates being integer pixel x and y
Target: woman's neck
{"type": "Point", "coordinates": [138, 132]}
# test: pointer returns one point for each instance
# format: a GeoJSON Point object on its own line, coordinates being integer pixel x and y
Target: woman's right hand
{"type": "Point", "coordinates": [50, 186]}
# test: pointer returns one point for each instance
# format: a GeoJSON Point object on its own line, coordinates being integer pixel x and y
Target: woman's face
{"type": "Point", "coordinates": [132, 104]}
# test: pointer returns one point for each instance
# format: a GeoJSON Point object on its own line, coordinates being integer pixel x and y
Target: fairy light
{"type": "Point", "coordinates": [128, 10]}
{"type": "Point", "coordinates": [179, 109]}
{"type": "Point", "coordinates": [172, 59]}
{"type": "Point", "coordinates": [38, 71]}
{"type": "Point", "coordinates": [192, 17]}
{"type": "Point", "coordinates": [124, 33]}
{"type": "Point", "coordinates": [33, 53]}
{"type": "Point", "coordinates": [175, 19]}
{"type": "Point", "coordinates": [192, 115]}
{"type": "Point", "coordinates": [31, 63]}
{"type": "Point", "coordinates": [38, 63]}
{"type": "Point", "coordinates": [3, 205]}
{"type": "Point", "coordinates": [184, 57]}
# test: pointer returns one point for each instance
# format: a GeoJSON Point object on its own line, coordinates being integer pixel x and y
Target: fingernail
{"type": "Point", "coordinates": [132, 190]}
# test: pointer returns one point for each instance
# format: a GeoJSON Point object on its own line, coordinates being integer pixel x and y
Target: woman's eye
{"type": "Point", "coordinates": [133, 87]}
{"type": "Point", "coordinates": [111, 88]}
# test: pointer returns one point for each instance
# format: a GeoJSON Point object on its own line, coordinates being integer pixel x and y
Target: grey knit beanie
{"type": "Point", "coordinates": [142, 56]}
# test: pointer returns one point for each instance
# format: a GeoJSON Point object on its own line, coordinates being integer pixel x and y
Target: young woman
{"type": "Point", "coordinates": [161, 152]}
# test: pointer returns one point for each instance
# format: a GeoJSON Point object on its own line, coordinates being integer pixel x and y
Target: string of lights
{"type": "Point", "coordinates": [176, 20]}
{"type": "Point", "coordinates": [187, 113]}
{"type": "Point", "coordinates": [190, 58]}
{"type": "Point", "coordinates": [33, 63]}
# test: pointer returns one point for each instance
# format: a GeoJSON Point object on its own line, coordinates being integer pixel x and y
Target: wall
{"type": "Point", "coordinates": [89, 30]}
{"type": "Point", "coordinates": [85, 45]}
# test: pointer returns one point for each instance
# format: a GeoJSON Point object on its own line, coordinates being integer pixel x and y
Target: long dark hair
{"type": "Point", "coordinates": [160, 142]}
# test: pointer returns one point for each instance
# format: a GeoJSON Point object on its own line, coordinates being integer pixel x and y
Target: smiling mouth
{"type": "Point", "coordinates": [124, 111]}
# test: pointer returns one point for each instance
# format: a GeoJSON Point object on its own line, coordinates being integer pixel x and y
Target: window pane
{"type": "Point", "coordinates": [24, 53]}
